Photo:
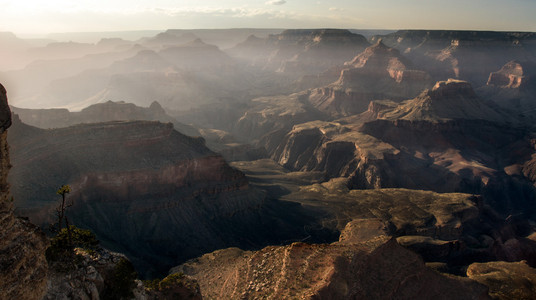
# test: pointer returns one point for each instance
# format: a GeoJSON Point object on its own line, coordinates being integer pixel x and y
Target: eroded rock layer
{"type": "Point", "coordinates": [364, 264]}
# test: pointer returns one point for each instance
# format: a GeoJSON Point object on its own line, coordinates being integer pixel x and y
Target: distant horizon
{"type": "Point", "coordinates": [140, 33]}
{"type": "Point", "coordinates": [39, 18]}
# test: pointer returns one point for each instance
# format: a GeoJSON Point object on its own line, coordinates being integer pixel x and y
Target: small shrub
{"type": "Point", "coordinates": [170, 281]}
{"type": "Point", "coordinates": [61, 249]}
{"type": "Point", "coordinates": [174, 286]}
{"type": "Point", "coordinates": [151, 285]}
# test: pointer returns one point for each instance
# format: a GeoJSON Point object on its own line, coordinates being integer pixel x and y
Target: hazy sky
{"type": "Point", "coordinates": [44, 16]}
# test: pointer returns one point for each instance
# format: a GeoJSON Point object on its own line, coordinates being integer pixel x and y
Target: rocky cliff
{"type": "Point", "coordinates": [363, 264]}
{"type": "Point", "coordinates": [23, 267]}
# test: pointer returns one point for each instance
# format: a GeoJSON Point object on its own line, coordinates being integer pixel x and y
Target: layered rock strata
{"type": "Point", "coordinates": [363, 264]}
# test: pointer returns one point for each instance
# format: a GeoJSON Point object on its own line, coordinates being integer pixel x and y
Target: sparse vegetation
{"type": "Point", "coordinates": [68, 237]}
{"type": "Point", "coordinates": [174, 286]}
{"type": "Point", "coordinates": [61, 245]}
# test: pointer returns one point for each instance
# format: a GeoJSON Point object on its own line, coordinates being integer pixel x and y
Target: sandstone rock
{"type": "Point", "coordinates": [86, 279]}
{"type": "Point", "coordinates": [23, 267]}
{"type": "Point", "coordinates": [328, 271]}
{"type": "Point", "coordinates": [505, 280]}
{"type": "Point", "coordinates": [379, 72]}
{"type": "Point", "coordinates": [513, 75]}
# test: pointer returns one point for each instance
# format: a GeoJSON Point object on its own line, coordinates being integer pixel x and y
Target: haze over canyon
{"type": "Point", "coordinates": [272, 164]}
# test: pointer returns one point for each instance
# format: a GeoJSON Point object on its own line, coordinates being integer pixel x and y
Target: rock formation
{"type": "Point", "coordinates": [467, 55]}
{"type": "Point", "coordinates": [505, 280]}
{"type": "Point", "coordinates": [447, 100]}
{"type": "Point", "coordinates": [379, 72]}
{"type": "Point", "coordinates": [513, 88]}
{"type": "Point", "coordinates": [90, 278]}
{"type": "Point", "coordinates": [513, 75]}
{"type": "Point", "coordinates": [447, 138]}
{"type": "Point", "coordinates": [23, 267]}
{"type": "Point", "coordinates": [365, 266]}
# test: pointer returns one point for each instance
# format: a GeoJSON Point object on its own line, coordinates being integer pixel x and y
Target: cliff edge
{"type": "Point", "coordinates": [23, 267]}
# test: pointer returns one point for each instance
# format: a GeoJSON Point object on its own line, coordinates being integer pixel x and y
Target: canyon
{"type": "Point", "coordinates": [274, 164]}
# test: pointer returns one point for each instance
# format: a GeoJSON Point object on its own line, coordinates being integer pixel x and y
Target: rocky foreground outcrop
{"type": "Point", "coordinates": [365, 263]}
{"type": "Point", "coordinates": [23, 267]}
{"type": "Point", "coordinates": [505, 280]}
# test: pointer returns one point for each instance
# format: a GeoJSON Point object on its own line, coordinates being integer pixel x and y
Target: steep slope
{"type": "Point", "coordinates": [146, 190]}
{"type": "Point", "coordinates": [23, 267]}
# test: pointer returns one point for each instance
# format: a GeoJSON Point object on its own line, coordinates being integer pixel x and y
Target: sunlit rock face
{"type": "Point", "coordinates": [379, 72]}
{"type": "Point", "coordinates": [363, 264]}
{"type": "Point", "coordinates": [447, 138]}
{"type": "Point", "coordinates": [23, 267]}
{"type": "Point", "coordinates": [513, 88]}
{"type": "Point", "coordinates": [513, 75]}
{"type": "Point", "coordinates": [467, 55]}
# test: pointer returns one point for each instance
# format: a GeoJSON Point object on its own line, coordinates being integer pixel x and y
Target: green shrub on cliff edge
{"type": "Point", "coordinates": [174, 286]}
{"type": "Point", "coordinates": [62, 250]}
